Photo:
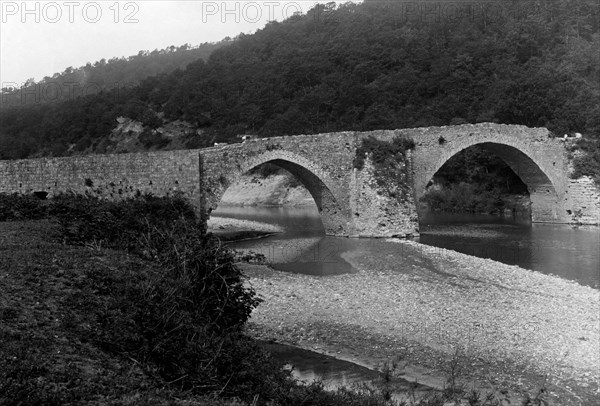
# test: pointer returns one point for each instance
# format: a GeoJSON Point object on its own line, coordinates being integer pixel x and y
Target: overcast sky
{"type": "Point", "coordinates": [39, 38]}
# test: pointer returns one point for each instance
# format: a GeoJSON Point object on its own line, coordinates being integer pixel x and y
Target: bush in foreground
{"type": "Point", "coordinates": [14, 207]}
{"type": "Point", "coordinates": [85, 219]}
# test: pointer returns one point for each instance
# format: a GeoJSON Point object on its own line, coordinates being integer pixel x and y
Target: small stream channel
{"type": "Point", "coordinates": [309, 366]}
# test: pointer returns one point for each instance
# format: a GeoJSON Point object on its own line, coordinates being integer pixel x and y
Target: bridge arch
{"type": "Point", "coordinates": [324, 191]}
{"type": "Point", "coordinates": [537, 171]}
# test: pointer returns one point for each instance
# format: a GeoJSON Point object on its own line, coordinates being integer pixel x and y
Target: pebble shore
{"type": "Point", "coordinates": [512, 329]}
{"type": "Point", "coordinates": [235, 229]}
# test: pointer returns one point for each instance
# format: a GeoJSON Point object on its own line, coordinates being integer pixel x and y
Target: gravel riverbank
{"type": "Point", "coordinates": [230, 229]}
{"type": "Point", "coordinates": [509, 327]}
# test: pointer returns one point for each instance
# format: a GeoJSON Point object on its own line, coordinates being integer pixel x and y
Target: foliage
{"type": "Point", "coordinates": [85, 219]}
{"type": "Point", "coordinates": [15, 207]}
{"type": "Point", "coordinates": [587, 163]}
{"type": "Point", "coordinates": [475, 165]}
{"type": "Point", "coordinates": [380, 152]}
{"type": "Point", "coordinates": [179, 316]}
{"type": "Point", "coordinates": [329, 70]}
{"type": "Point", "coordinates": [103, 75]}
{"type": "Point", "coordinates": [151, 138]}
{"type": "Point", "coordinates": [463, 197]}
{"type": "Point", "coordinates": [183, 323]}
{"type": "Point", "coordinates": [473, 181]}
{"type": "Point", "coordinates": [389, 161]}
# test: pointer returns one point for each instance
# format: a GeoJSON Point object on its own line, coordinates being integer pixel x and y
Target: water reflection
{"type": "Point", "coordinates": [309, 366]}
{"type": "Point", "coordinates": [572, 252]}
{"type": "Point", "coordinates": [303, 248]}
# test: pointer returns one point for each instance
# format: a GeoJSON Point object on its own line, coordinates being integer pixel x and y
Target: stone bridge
{"type": "Point", "coordinates": [348, 199]}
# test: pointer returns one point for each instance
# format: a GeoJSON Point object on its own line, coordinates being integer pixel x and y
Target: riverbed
{"type": "Point", "coordinates": [371, 301]}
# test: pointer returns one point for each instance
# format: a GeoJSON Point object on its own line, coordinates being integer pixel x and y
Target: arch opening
{"type": "Point", "coordinates": [267, 185]}
{"type": "Point", "coordinates": [511, 182]}
{"type": "Point", "coordinates": [308, 189]}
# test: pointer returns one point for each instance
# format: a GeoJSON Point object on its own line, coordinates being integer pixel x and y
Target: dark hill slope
{"type": "Point", "coordinates": [356, 67]}
{"type": "Point", "coordinates": [116, 73]}
{"type": "Point", "coordinates": [373, 66]}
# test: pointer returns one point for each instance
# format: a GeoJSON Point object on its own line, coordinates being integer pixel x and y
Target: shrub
{"type": "Point", "coordinates": [381, 152]}
{"type": "Point", "coordinates": [588, 163]}
{"type": "Point", "coordinates": [85, 219]}
{"type": "Point", "coordinates": [22, 207]}
{"type": "Point", "coordinates": [151, 138]}
{"type": "Point", "coordinates": [463, 197]}
{"type": "Point", "coordinates": [183, 323]}
{"type": "Point", "coordinates": [206, 270]}
{"type": "Point", "coordinates": [180, 318]}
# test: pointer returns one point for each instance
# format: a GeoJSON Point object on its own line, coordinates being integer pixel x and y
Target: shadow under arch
{"type": "Point", "coordinates": [542, 191]}
{"type": "Point", "coordinates": [322, 189]}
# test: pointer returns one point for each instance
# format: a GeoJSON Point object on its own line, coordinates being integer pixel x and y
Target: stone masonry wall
{"type": "Point", "coordinates": [324, 165]}
{"type": "Point", "coordinates": [585, 201]}
{"type": "Point", "coordinates": [321, 163]}
{"type": "Point", "coordinates": [107, 176]}
{"type": "Point", "coordinates": [379, 215]}
{"type": "Point", "coordinates": [538, 159]}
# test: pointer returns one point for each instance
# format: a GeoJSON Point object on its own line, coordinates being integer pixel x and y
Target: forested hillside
{"type": "Point", "coordinates": [116, 73]}
{"type": "Point", "coordinates": [363, 66]}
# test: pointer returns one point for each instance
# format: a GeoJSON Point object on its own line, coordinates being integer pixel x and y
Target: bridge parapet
{"type": "Point", "coordinates": [115, 176]}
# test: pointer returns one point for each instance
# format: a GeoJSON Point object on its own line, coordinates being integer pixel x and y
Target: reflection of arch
{"type": "Point", "coordinates": [321, 187]}
{"type": "Point", "coordinates": [533, 170]}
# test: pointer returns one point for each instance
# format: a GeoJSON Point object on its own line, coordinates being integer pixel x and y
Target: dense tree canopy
{"type": "Point", "coordinates": [379, 64]}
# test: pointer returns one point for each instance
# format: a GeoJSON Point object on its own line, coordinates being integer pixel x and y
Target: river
{"type": "Point", "coordinates": [571, 252]}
